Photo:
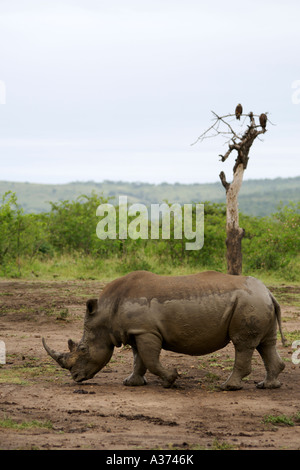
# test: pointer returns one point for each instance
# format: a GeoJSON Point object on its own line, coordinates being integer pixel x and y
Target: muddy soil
{"type": "Point", "coordinates": [42, 408]}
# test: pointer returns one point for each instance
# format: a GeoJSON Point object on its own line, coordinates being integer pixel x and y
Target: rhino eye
{"type": "Point", "coordinates": [82, 348]}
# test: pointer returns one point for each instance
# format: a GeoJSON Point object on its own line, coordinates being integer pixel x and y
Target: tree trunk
{"type": "Point", "coordinates": [242, 145]}
{"type": "Point", "coordinates": [234, 232]}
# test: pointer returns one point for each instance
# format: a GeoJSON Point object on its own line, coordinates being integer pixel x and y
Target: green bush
{"type": "Point", "coordinates": [68, 232]}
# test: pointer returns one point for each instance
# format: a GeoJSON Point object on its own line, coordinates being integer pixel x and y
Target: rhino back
{"type": "Point", "coordinates": [144, 284]}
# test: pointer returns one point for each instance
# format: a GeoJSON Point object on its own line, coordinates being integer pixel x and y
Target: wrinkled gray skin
{"type": "Point", "coordinates": [195, 314]}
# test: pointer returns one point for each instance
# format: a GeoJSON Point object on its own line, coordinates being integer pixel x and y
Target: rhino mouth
{"type": "Point", "coordinates": [78, 378]}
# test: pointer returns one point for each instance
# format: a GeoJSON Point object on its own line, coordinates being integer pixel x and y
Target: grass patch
{"type": "Point", "coordinates": [10, 377]}
{"type": "Point", "coordinates": [282, 420]}
{"type": "Point", "coordinates": [27, 372]}
{"type": "Point", "coordinates": [91, 267]}
{"type": "Point", "coordinates": [217, 445]}
{"type": "Point", "coordinates": [210, 381]}
{"type": "Point", "coordinates": [9, 423]}
{"type": "Point", "coordinates": [286, 294]}
{"type": "Point", "coordinates": [291, 336]}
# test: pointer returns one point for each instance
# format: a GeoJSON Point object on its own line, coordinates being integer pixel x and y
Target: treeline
{"type": "Point", "coordinates": [257, 197]}
{"type": "Point", "coordinates": [67, 234]}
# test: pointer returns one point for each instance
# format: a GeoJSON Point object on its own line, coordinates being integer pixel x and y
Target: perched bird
{"type": "Point", "coordinates": [238, 111]}
{"type": "Point", "coordinates": [263, 120]}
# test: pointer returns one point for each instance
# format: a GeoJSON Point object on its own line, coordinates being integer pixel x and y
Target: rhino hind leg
{"type": "Point", "coordinates": [273, 364]}
{"type": "Point", "coordinates": [136, 378]}
{"type": "Point", "coordinates": [149, 347]}
{"type": "Point", "coordinates": [241, 368]}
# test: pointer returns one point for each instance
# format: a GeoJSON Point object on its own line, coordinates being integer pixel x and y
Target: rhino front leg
{"type": "Point", "coordinates": [137, 377]}
{"type": "Point", "coordinates": [149, 347]}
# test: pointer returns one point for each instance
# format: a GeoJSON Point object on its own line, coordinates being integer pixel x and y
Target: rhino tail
{"type": "Point", "coordinates": [278, 316]}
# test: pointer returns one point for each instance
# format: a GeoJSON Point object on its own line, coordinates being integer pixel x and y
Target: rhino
{"type": "Point", "coordinates": [194, 314]}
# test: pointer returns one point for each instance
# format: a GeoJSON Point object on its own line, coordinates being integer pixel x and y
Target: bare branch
{"type": "Point", "coordinates": [222, 119]}
{"type": "Point", "coordinates": [202, 136]}
{"type": "Point", "coordinates": [215, 127]}
{"type": "Point", "coordinates": [231, 147]}
{"type": "Point", "coordinates": [223, 180]}
{"type": "Point", "coordinates": [239, 142]}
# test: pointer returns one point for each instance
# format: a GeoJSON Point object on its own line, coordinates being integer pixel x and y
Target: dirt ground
{"type": "Point", "coordinates": [42, 408]}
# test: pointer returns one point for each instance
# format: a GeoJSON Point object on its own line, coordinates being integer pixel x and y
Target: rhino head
{"type": "Point", "coordinates": [92, 353]}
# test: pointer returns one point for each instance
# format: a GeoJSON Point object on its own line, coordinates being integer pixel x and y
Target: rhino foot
{"type": "Point", "coordinates": [269, 384]}
{"type": "Point", "coordinates": [230, 387]}
{"type": "Point", "coordinates": [135, 380]}
{"type": "Point", "coordinates": [169, 379]}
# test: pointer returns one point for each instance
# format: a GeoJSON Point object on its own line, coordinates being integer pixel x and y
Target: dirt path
{"type": "Point", "coordinates": [42, 408]}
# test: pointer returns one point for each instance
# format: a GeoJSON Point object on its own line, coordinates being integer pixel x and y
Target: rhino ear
{"type": "Point", "coordinates": [91, 306]}
{"type": "Point", "coordinates": [72, 345]}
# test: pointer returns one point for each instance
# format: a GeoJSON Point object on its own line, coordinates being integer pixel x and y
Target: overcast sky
{"type": "Point", "coordinates": [119, 89]}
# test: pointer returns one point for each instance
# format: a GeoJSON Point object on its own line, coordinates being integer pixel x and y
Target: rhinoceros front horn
{"type": "Point", "coordinates": [60, 358]}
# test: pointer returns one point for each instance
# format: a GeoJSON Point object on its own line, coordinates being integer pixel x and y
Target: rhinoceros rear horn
{"type": "Point", "coordinates": [60, 358]}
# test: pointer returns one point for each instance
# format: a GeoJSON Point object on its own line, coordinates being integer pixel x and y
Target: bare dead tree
{"type": "Point", "coordinates": [241, 143]}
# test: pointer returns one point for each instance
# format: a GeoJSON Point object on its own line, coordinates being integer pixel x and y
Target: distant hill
{"type": "Point", "coordinates": [257, 197]}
